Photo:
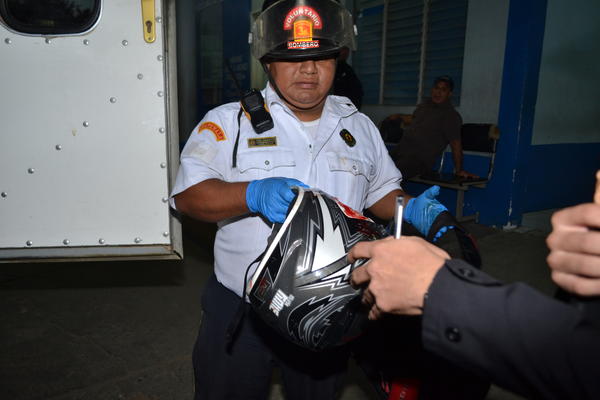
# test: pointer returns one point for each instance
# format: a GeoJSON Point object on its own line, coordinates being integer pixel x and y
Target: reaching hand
{"type": "Point", "coordinates": [575, 249]}
{"type": "Point", "coordinates": [271, 197]}
{"type": "Point", "coordinates": [421, 211]}
{"type": "Point", "coordinates": [397, 275]}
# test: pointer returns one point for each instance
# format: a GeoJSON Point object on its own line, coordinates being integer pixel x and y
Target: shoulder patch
{"type": "Point", "coordinates": [215, 129]}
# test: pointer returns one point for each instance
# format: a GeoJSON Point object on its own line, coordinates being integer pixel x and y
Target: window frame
{"type": "Point", "coordinates": [17, 27]}
{"type": "Point", "coordinates": [422, 81]}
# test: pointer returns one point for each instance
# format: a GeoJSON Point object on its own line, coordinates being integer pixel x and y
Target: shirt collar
{"type": "Point", "coordinates": [335, 105]}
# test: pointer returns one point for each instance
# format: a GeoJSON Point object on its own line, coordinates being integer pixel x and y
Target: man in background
{"type": "Point", "coordinates": [435, 124]}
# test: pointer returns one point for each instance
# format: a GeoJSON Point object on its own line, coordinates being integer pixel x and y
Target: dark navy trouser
{"type": "Point", "coordinates": [245, 371]}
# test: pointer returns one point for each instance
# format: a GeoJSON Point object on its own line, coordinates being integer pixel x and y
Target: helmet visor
{"type": "Point", "coordinates": [302, 28]}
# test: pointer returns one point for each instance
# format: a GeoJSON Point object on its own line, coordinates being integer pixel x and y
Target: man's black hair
{"type": "Point", "coordinates": [446, 79]}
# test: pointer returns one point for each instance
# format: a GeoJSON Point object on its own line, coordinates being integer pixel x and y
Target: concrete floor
{"type": "Point", "coordinates": [124, 330]}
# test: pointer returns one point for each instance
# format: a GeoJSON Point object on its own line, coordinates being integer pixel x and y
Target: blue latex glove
{"type": "Point", "coordinates": [271, 197]}
{"type": "Point", "coordinates": [421, 211]}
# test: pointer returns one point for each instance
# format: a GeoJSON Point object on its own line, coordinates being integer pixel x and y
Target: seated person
{"type": "Point", "coordinates": [435, 124]}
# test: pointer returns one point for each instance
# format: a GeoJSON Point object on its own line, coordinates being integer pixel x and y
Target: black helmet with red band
{"type": "Point", "coordinates": [301, 29]}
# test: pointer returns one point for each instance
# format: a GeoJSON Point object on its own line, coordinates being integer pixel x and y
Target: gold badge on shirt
{"type": "Point", "coordinates": [347, 137]}
{"type": "Point", "coordinates": [262, 141]}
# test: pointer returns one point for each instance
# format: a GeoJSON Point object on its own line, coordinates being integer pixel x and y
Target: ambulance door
{"type": "Point", "coordinates": [88, 130]}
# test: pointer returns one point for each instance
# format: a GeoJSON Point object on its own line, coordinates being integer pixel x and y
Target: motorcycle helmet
{"type": "Point", "coordinates": [301, 286]}
{"type": "Point", "coordinates": [300, 29]}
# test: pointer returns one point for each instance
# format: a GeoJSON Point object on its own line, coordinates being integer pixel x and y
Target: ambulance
{"type": "Point", "coordinates": [88, 130]}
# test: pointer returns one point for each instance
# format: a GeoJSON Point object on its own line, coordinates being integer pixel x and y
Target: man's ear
{"type": "Point", "coordinates": [266, 67]}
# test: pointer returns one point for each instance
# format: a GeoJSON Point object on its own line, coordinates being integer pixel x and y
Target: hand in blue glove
{"type": "Point", "coordinates": [271, 197]}
{"type": "Point", "coordinates": [423, 210]}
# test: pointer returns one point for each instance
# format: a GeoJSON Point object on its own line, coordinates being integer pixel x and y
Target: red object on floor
{"type": "Point", "coordinates": [404, 389]}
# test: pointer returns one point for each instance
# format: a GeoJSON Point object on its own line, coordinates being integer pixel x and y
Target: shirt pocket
{"type": "Point", "coordinates": [354, 166]}
{"type": "Point", "coordinates": [351, 178]}
{"type": "Point", "coordinates": [259, 164]}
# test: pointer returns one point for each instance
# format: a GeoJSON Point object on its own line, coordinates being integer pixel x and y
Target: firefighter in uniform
{"type": "Point", "coordinates": [242, 180]}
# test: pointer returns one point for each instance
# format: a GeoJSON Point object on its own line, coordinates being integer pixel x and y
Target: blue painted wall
{"type": "Point", "coordinates": [501, 203]}
{"type": "Point", "coordinates": [565, 150]}
{"type": "Point", "coordinates": [541, 165]}
{"type": "Point", "coordinates": [560, 175]}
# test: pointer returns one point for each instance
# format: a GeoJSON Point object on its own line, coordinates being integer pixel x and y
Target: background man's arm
{"type": "Point", "coordinates": [457, 156]}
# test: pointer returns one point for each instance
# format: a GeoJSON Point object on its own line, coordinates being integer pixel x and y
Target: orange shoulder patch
{"type": "Point", "coordinates": [215, 129]}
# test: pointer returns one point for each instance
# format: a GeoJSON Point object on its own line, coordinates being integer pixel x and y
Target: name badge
{"type": "Point", "coordinates": [263, 141]}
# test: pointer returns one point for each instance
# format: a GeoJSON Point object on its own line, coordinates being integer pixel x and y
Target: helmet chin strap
{"type": "Point", "coordinates": [272, 82]}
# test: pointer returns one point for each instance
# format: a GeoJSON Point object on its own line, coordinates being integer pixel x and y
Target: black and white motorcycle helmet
{"type": "Point", "coordinates": [301, 286]}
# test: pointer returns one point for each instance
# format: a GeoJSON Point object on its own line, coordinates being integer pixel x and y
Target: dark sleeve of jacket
{"type": "Point", "coordinates": [511, 334]}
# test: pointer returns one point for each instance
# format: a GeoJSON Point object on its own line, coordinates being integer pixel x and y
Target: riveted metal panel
{"type": "Point", "coordinates": [88, 139]}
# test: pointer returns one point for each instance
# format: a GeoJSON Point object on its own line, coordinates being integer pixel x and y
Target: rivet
{"type": "Point", "coordinates": [161, 130]}
{"type": "Point", "coordinates": [267, 162]}
{"type": "Point", "coordinates": [137, 240]}
{"type": "Point", "coordinates": [86, 42]}
{"type": "Point", "coordinates": [31, 170]}
{"type": "Point", "coordinates": [165, 199]}
{"type": "Point", "coordinates": [124, 42]}
{"type": "Point", "coordinates": [29, 243]}
{"type": "Point", "coordinates": [160, 57]}
{"type": "Point", "coordinates": [66, 242]}
{"type": "Point", "coordinates": [86, 124]}
{"type": "Point", "coordinates": [58, 147]}
{"type": "Point", "coordinates": [158, 20]}
{"type": "Point", "coordinates": [163, 165]}
{"type": "Point", "coordinates": [48, 40]}
{"type": "Point", "coordinates": [3, 194]}
{"type": "Point", "coordinates": [7, 41]}
{"type": "Point", "coordinates": [101, 241]}
{"type": "Point", "coordinates": [140, 76]}
{"type": "Point", "coordinates": [165, 234]}
{"type": "Point", "coordinates": [113, 100]}
{"type": "Point", "coordinates": [160, 93]}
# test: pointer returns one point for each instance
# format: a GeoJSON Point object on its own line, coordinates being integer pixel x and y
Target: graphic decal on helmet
{"type": "Point", "coordinates": [302, 20]}
{"type": "Point", "coordinates": [308, 322]}
{"type": "Point", "coordinates": [263, 286]}
{"type": "Point", "coordinates": [279, 301]}
{"type": "Point", "coordinates": [302, 284]}
{"type": "Point", "coordinates": [327, 252]}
